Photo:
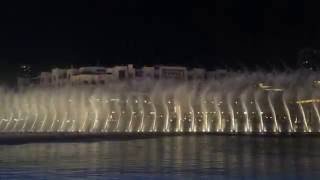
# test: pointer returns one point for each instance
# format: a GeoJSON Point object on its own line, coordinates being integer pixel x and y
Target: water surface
{"type": "Point", "coordinates": [181, 157]}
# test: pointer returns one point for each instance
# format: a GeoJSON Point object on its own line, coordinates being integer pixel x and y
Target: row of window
{"type": "Point", "coordinates": [177, 74]}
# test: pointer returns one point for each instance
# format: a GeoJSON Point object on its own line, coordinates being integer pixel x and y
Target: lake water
{"type": "Point", "coordinates": [180, 157]}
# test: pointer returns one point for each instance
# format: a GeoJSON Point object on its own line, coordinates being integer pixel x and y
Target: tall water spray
{"type": "Point", "coordinates": [243, 100]}
{"type": "Point", "coordinates": [238, 102]}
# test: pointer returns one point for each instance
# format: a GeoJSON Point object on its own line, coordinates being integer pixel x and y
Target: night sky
{"type": "Point", "coordinates": [211, 34]}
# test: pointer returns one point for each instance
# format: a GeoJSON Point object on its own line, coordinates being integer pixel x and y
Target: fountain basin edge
{"type": "Point", "coordinates": [20, 138]}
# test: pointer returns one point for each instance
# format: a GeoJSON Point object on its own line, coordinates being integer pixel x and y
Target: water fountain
{"type": "Point", "coordinates": [239, 103]}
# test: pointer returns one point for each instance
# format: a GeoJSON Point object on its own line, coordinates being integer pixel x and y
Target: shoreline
{"type": "Point", "coordinates": [34, 137]}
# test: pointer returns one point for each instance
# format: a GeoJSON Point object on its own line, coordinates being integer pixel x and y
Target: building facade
{"type": "Point", "coordinates": [94, 75]}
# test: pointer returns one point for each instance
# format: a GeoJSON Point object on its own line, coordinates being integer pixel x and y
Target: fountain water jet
{"type": "Point", "coordinates": [256, 97]}
{"type": "Point", "coordinates": [231, 113]}
{"type": "Point", "coordinates": [171, 106]}
{"type": "Point", "coordinates": [204, 109]}
{"type": "Point", "coordinates": [291, 129]}
{"type": "Point", "coordinates": [141, 108]}
{"type": "Point", "coordinates": [243, 98]}
{"type": "Point", "coordinates": [276, 127]}
{"type": "Point", "coordinates": [166, 110]}
{"type": "Point", "coordinates": [306, 127]}
{"type": "Point", "coordinates": [220, 126]}
{"type": "Point", "coordinates": [317, 113]}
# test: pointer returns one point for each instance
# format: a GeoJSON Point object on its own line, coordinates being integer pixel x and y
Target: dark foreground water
{"type": "Point", "coordinates": [188, 157]}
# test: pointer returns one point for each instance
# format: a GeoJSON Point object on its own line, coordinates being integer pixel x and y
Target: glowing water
{"type": "Point", "coordinates": [243, 99]}
{"type": "Point", "coordinates": [317, 112]}
{"type": "Point", "coordinates": [291, 129]}
{"type": "Point", "coordinates": [274, 116]}
{"type": "Point", "coordinates": [236, 103]}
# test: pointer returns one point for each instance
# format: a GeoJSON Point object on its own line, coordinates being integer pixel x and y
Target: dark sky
{"type": "Point", "coordinates": [195, 33]}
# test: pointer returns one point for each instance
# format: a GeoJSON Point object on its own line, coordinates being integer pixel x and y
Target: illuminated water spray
{"type": "Point", "coordinates": [177, 109]}
{"type": "Point", "coordinates": [231, 112]}
{"type": "Point", "coordinates": [108, 113]}
{"type": "Point", "coordinates": [154, 120]}
{"type": "Point", "coordinates": [306, 127]}
{"type": "Point", "coordinates": [243, 99]}
{"type": "Point", "coordinates": [274, 116]}
{"type": "Point", "coordinates": [141, 109]}
{"type": "Point", "coordinates": [166, 112]}
{"type": "Point", "coordinates": [291, 129]}
{"type": "Point", "coordinates": [220, 126]}
{"type": "Point", "coordinates": [261, 127]}
{"type": "Point", "coordinates": [93, 102]}
{"type": "Point", "coordinates": [204, 109]}
{"type": "Point", "coordinates": [192, 114]}
{"type": "Point", "coordinates": [314, 105]}
{"type": "Point", "coordinates": [169, 106]}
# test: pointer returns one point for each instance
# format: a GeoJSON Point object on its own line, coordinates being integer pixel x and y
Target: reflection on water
{"type": "Point", "coordinates": [166, 157]}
